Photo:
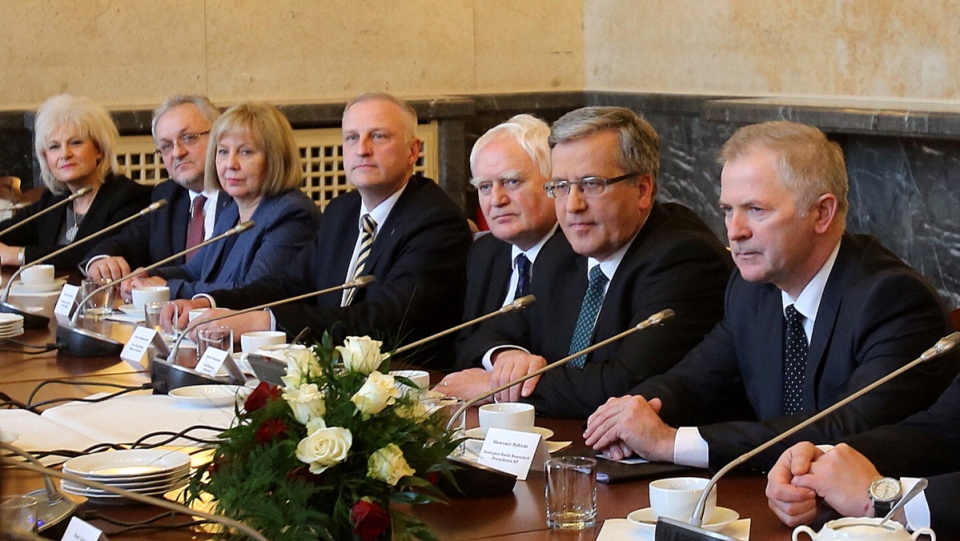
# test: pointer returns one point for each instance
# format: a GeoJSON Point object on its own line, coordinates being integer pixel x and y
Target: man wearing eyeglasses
{"type": "Point", "coordinates": [625, 258]}
{"type": "Point", "coordinates": [180, 128]}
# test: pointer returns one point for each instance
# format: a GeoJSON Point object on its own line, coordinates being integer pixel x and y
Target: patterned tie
{"type": "Point", "coordinates": [592, 301]}
{"type": "Point", "coordinates": [523, 276]}
{"type": "Point", "coordinates": [369, 229]}
{"type": "Point", "coordinates": [794, 362]}
{"type": "Point", "coordinates": [195, 229]}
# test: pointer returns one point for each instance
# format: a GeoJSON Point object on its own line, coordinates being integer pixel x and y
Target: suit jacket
{"type": "Point", "coordinates": [283, 225]}
{"type": "Point", "coordinates": [160, 234]}
{"type": "Point", "coordinates": [876, 314]}
{"type": "Point", "coordinates": [118, 198]}
{"type": "Point", "coordinates": [675, 262]}
{"type": "Point", "coordinates": [489, 267]}
{"type": "Point", "coordinates": [418, 259]}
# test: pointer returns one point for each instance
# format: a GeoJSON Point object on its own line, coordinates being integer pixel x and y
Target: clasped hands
{"type": "Point", "coordinates": [629, 425]}
{"type": "Point", "coordinates": [508, 365]}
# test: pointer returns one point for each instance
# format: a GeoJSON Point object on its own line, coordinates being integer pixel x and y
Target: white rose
{"type": "Point", "coordinates": [388, 465]}
{"type": "Point", "coordinates": [306, 401]}
{"type": "Point", "coordinates": [324, 448]}
{"type": "Point", "coordinates": [376, 393]}
{"type": "Point", "coordinates": [361, 354]}
{"type": "Point", "coordinates": [300, 364]}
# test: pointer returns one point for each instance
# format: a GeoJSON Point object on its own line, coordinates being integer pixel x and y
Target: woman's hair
{"type": "Point", "coordinates": [90, 119]}
{"type": "Point", "coordinates": [270, 131]}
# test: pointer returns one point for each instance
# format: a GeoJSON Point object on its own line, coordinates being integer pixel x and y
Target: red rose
{"type": "Point", "coordinates": [369, 520]}
{"type": "Point", "coordinates": [432, 477]}
{"type": "Point", "coordinates": [260, 396]}
{"type": "Point", "coordinates": [270, 430]}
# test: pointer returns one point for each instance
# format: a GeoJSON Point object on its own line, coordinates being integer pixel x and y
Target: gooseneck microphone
{"type": "Point", "coordinates": [518, 304]}
{"type": "Point", "coordinates": [676, 530]}
{"type": "Point", "coordinates": [53, 507]}
{"type": "Point", "coordinates": [149, 500]}
{"type": "Point", "coordinates": [167, 375]}
{"type": "Point", "coordinates": [653, 321]}
{"type": "Point", "coordinates": [34, 321]}
{"type": "Point", "coordinates": [80, 342]}
{"type": "Point", "coordinates": [79, 193]}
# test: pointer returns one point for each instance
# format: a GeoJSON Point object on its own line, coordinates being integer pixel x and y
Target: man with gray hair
{"type": "Point", "coordinates": [812, 314]}
{"type": "Point", "coordinates": [180, 127]}
{"type": "Point", "coordinates": [625, 257]}
{"type": "Point", "coordinates": [510, 165]}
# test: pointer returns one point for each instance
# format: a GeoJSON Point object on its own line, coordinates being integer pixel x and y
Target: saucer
{"type": "Point", "coordinates": [477, 434]}
{"type": "Point", "coordinates": [20, 287]}
{"type": "Point", "coordinates": [131, 310]}
{"type": "Point", "coordinates": [722, 517]}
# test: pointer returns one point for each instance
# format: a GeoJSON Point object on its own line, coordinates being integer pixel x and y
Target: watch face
{"type": "Point", "coordinates": [885, 489]}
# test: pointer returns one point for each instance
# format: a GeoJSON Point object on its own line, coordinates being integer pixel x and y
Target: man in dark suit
{"type": "Point", "coordinates": [180, 128]}
{"type": "Point", "coordinates": [417, 254]}
{"type": "Point", "coordinates": [812, 314]}
{"type": "Point", "coordinates": [623, 258]}
{"type": "Point", "coordinates": [510, 164]}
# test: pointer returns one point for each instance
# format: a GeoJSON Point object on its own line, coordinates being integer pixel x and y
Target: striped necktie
{"type": "Point", "coordinates": [367, 234]}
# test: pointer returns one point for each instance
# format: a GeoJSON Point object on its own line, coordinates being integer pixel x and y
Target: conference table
{"type": "Point", "coordinates": [518, 516]}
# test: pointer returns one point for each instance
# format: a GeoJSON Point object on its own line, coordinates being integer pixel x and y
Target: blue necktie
{"type": "Point", "coordinates": [523, 277]}
{"type": "Point", "coordinates": [794, 362]}
{"type": "Point", "coordinates": [592, 301]}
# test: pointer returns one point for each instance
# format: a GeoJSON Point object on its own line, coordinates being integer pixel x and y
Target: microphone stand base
{"type": "Point", "coordinates": [53, 516]}
{"type": "Point", "coordinates": [79, 342]}
{"type": "Point", "coordinates": [30, 320]}
{"type": "Point", "coordinates": [166, 376]}
{"type": "Point", "coordinates": [476, 480]}
{"type": "Point", "coordinates": [669, 529]}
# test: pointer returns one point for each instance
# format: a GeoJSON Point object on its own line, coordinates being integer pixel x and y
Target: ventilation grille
{"type": "Point", "coordinates": [321, 155]}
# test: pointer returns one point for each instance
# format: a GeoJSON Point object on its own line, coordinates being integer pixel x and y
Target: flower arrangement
{"type": "Point", "coordinates": [323, 456]}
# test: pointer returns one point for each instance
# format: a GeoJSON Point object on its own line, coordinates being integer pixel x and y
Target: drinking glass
{"type": "Point", "coordinates": [571, 492]}
{"type": "Point", "coordinates": [100, 305]}
{"type": "Point", "coordinates": [214, 337]}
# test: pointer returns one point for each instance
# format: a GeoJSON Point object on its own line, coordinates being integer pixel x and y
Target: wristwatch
{"type": "Point", "coordinates": [884, 492]}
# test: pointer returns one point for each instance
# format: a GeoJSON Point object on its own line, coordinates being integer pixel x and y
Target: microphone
{"type": "Point", "coordinates": [482, 481]}
{"type": "Point", "coordinates": [653, 321]}
{"type": "Point", "coordinates": [166, 375]}
{"type": "Point", "coordinates": [35, 321]}
{"type": "Point", "coordinates": [149, 500]}
{"type": "Point", "coordinates": [80, 342]}
{"type": "Point", "coordinates": [677, 530]}
{"type": "Point", "coordinates": [53, 507]}
{"type": "Point", "coordinates": [518, 304]}
{"type": "Point", "coordinates": [79, 193]}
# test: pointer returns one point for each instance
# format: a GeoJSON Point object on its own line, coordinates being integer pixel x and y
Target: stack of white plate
{"type": "Point", "coordinates": [152, 472]}
{"type": "Point", "coordinates": [10, 325]}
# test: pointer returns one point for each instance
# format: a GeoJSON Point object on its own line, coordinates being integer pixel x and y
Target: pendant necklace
{"type": "Point", "coordinates": [73, 223]}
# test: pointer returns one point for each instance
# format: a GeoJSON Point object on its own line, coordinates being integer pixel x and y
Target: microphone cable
{"type": "Point", "coordinates": [50, 346]}
{"type": "Point", "coordinates": [124, 389]}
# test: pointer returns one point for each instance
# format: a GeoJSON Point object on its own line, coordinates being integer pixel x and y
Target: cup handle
{"type": "Point", "coordinates": [803, 529]}
{"type": "Point", "coordinates": [921, 531]}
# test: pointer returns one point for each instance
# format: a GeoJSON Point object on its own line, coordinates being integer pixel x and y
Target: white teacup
{"type": "Point", "coordinates": [37, 275]}
{"type": "Point", "coordinates": [252, 341]}
{"type": "Point", "coordinates": [677, 497]}
{"type": "Point", "coordinates": [143, 295]}
{"type": "Point", "coordinates": [420, 378]}
{"type": "Point", "coordinates": [506, 415]}
{"type": "Point", "coordinates": [862, 529]}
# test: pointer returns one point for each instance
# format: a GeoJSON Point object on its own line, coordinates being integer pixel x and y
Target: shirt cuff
{"type": "Point", "coordinates": [690, 449]}
{"type": "Point", "coordinates": [213, 303]}
{"type": "Point", "coordinates": [86, 268]}
{"type": "Point", "coordinates": [917, 510]}
{"type": "Point", "coordinates": [273, 319]}
{"type": "Point", "coordinates": [487, 361]}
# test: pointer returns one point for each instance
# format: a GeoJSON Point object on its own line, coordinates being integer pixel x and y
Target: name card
{"type": "Point", "coordinates": [513, 452]}
{"type": "Point", "coordinates": [211, 362]}
{"type": "Point", "coordinates": [138, 348]}
{"type": "Point", "coordinates": [68, 296]}
{"type": "Point", "coordinates": [80, 530]}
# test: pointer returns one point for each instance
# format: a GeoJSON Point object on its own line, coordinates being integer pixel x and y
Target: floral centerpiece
{"type": "Point", "coordinates": [323, 456]}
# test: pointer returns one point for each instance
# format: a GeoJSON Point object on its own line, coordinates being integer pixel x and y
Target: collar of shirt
{"type": "Point", "coordinates": [808, 302]}
{"type": "Point", "coordinates": [209, 210]}
{"type": "Point", "coordinates": [382, 211]}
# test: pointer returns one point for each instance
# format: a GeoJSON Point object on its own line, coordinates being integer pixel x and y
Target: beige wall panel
{"type": "Point", "coordinates": [529, 46]}
{"type": "Point", "coordinates": [868, 48]}
{"type": "Point", "coordinates": [118, 52]}
{"type": "Point", "coordinates": [305, 50]}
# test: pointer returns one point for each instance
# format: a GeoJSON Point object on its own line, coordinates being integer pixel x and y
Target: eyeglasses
{"type": "Point", "coordinates": [589, 186]}
{"type": "Point", "coordinates": [184, 140]}
{"type": "Point", "coordinates": [485, 187]}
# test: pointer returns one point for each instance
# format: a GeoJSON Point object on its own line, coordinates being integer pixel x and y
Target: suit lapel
{"type": "Point", "coordinates": [826, 321]}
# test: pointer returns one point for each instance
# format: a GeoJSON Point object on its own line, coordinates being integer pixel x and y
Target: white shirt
{"type": "Point", "coordinates": [209, 210]}
{"type": "Point", "coordinates": [531, 255]}
{"type": "Point", "coordinates": [689, 447]}
{"type": "Point", "coordinates": [379, 214]}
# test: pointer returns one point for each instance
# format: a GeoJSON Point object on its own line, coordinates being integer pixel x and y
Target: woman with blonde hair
{"type": "Point", "coordinates": [74, 140]}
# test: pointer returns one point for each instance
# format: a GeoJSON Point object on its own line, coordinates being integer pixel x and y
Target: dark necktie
{"type": "Point", "coordinates": [794, 362]}
{"type": "Point", "coordinates": [367, 233]}
{"type": "Point", "coordinates": [523, 276]}
{"type": "Point", "coordinates": [592, 301]}
{"type": "Point", "coordinates": [195, 229]}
